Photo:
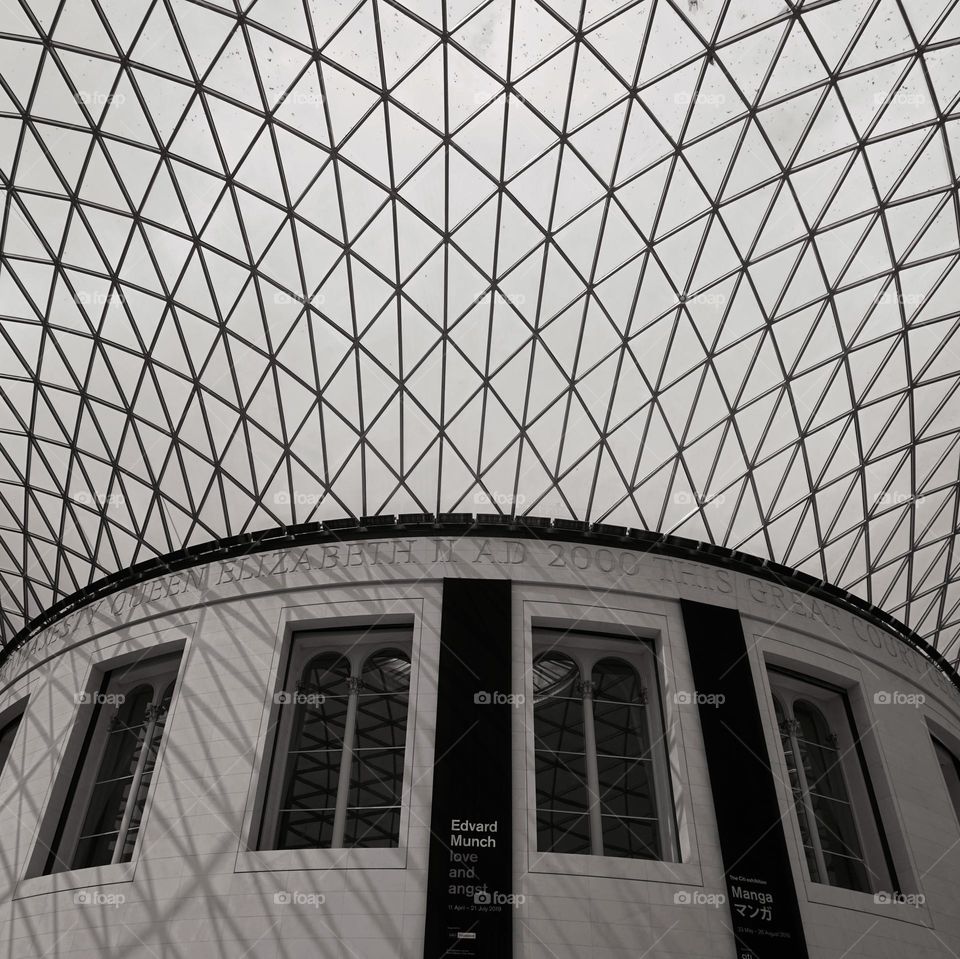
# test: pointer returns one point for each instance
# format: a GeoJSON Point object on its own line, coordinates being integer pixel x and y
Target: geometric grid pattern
{"type": "Point", "coordinates": [685, 266]}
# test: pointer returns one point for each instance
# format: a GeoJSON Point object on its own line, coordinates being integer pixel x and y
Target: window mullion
{"type": "Point", "coordinates": [346, 764]}
{"type": "Point", "coordinates": [593, 775]}
{"type": "Point", "coordinates": [153, 714]}
{"type": "Point", "coordinates": [814, 829]}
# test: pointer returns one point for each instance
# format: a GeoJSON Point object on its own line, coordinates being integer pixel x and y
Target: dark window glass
{"type": "Point", "coordinates": [594, 739]}
{"type": "Point", "coordinates": [624, 762]}
{"type": "Point", "coordinates": [123, 780]}
{"type": "Point", "coordinates": [344, 768]}
{"type": "Point", "coordinates": [950, 766]}
{"type": "Point", "coordinates": [560, 755]}
{"type": "Point", "coordinates": [827, 825]}
{"type": "Point", "coordinates": [111, 779]}
{"type": "Point", "coordinates": [321, 703]}
{"type": "Point", "coordinates": [376, 777]}
{"type": "Point", "coordinates": [7, 735]}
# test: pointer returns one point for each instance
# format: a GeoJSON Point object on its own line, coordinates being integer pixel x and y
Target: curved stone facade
{"type": "Point", "coordinates": [194, 880]}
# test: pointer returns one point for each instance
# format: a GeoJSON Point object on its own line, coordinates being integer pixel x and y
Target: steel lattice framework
{"type": "Point", "coordinates": [686, 266]}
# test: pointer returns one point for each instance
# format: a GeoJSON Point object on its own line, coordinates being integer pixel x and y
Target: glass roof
{"type": "Point", "coordinates": [684, 265]}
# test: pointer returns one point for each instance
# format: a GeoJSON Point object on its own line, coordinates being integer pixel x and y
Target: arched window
{"type": "Point", "coordinates": [801, 799]}
{"type": "Point", "coordinates": [835, 840]}
{"type": "Point", "coordinates": [342, 767]}
{"type": "Point", "coordinates": [321, 704]}
{"type": "Point", "coordinates": [625, 777]}
{"type": "Point", "coordinates": [376, 775]}
{"type": "Point", "coordinates": [601, 773]}
{"type": "Point", "coordinates": [561, 767]}
{"type": "Point", "coordinates": [110, 828]}
{"type": "Point", "coordinates": [823, 772]}
{"type": "Point", "coordinates": [101, 820]}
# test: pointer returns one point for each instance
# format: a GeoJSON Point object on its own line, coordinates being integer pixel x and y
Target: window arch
{"type": "Point", "coordinates": [340, 748]}
{"type": "Point", "coordinates": [562, 804]}
{"type": "Point", "coordinates": [625, 778]}
{"type": "Point", "coordinates": [110, 828]}
{"type": "Point", "coordinates": [110, 780]}
{"type": "Point", "coordinates": [602, 781]}
{"type": "Point", "coordinates": [321, 702]}
{"type": "Point", "coordinates": [819, 768]}
{"type": "Point", "coordinates": [376, 776]}
{"type": "Point", "coordinates": [835, 841]}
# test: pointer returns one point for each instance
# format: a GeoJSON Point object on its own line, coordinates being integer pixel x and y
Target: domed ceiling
{"type": "Point", "coordinates": [683, 266]}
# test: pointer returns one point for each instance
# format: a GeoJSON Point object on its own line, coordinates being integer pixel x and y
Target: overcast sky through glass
{"type": "Point", "coordinates": [682, 266]}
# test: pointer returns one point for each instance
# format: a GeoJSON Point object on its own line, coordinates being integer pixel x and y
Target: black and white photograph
{"type": "Point", "coordinates": [479, 479]}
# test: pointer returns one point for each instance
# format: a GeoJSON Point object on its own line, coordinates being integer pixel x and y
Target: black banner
{"type": "Point", "coordinates": [469, 894]}
{"type": "Point", "coordinates": [760, 888]}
